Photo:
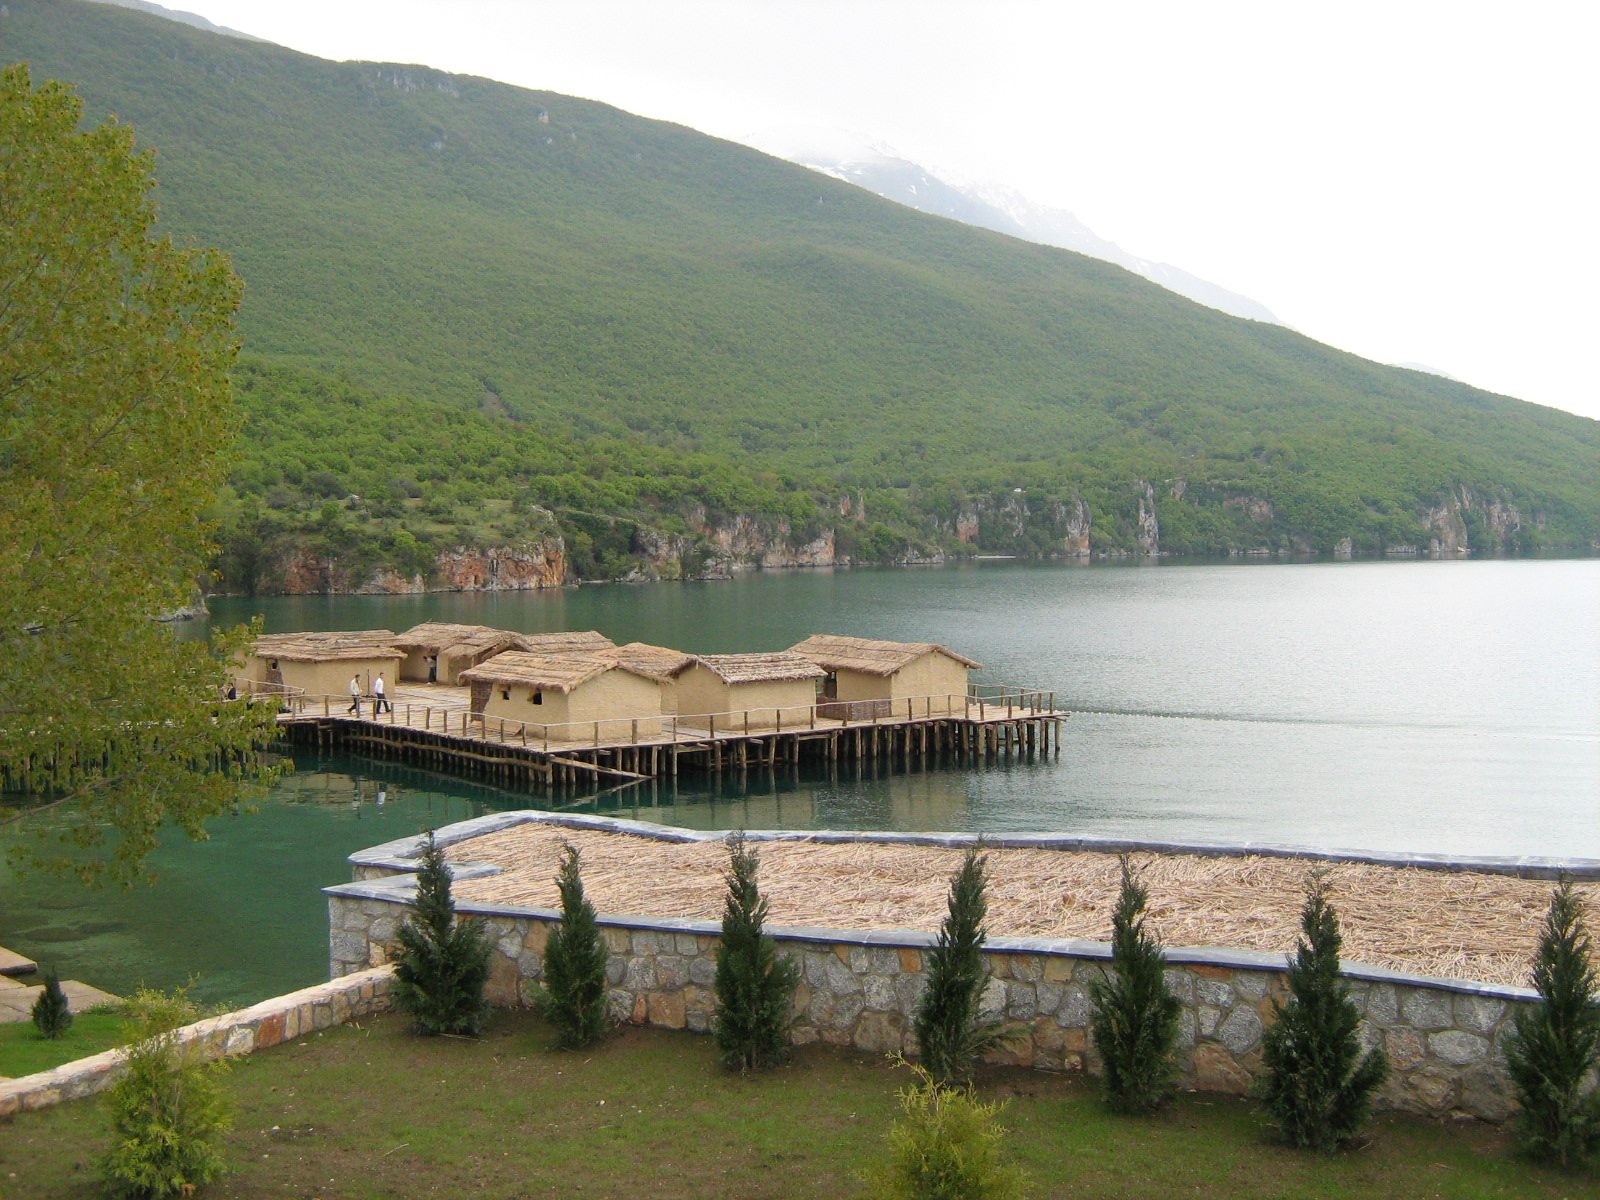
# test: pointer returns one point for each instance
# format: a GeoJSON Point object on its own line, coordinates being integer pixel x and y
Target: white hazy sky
{"type": "Point", "coordinates": [1411, 181]}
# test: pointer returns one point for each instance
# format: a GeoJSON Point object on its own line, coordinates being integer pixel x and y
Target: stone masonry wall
{"type": "Point", "coordinates": [859, 989]}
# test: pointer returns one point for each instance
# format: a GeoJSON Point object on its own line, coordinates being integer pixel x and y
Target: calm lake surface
{"type": "Point", "coordinates": [1449, 707]}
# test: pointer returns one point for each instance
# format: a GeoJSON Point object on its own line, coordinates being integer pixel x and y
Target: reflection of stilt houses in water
{"type": "Point", "coordinates": [617, 696]}
{"type": "Point", "coordinates": [438, 651]}
{"type": "Point", "coordinates": [865, 677]}
{"type": "Point", "coordinates": [319, 663]}
{"type": "Point", "coordinates": [763, 688]}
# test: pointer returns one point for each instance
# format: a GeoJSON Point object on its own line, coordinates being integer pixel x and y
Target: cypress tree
{"type": "Point", "coordinates": [1554, 1046]}
{"type": "Point", "coordinates": [51, 1016]}
{"type": "Point", "coordinates": [754, 986]}
{"type": "Point", "coordinates": [444, 963]}
{"type": "Point", "coordinates": [1318, 1084]}
{"type": "Point", "coordinates": [574, 994]}
{"type": "Point", "coordinates": [1135, 1021]}
{"type": "Point", "coordinates": [949, 1026]}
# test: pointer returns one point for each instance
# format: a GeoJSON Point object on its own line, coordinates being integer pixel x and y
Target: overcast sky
{"type": "Point", "coordinates": [1410, 181]}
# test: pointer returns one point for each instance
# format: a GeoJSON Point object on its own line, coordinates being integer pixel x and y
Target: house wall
{"type": "Point", "coordinates": [933, 674]}
{"type": "Point", "coordinates": [858, 685]}
{"type": "Point", "coordinates": [333, 678]}
{"type": "Point", "coordinates": [414, 667]}
{"type": "Point", "coordinates": [520, 707]}
{"type": "Point", "coordinates": [617, 699]}
{"type": "Point", "coordinates": [702, 691]}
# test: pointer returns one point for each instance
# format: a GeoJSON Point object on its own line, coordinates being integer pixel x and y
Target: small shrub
{"type": "Point", "coordinates": [1135, 1021]}
{"type": "Point", "coordinates": [1554, 1047]}
{"type": "Point", "coordinates": [168, 1109]}
{"type": "Point", "coordinates": [754, 986]}
{"type": "Point", "coordinates": [949, 1026]}
{"type": "Point", "coordinates": [947, 1145]}
{"type": "Point", "coordinates": [51, 1015]}
{"type": "Point", "coordinates": [1318, 1085]}
{"type": "Point", "coordinates": [574, 995]}
{"type": "Point", "coordinates": [443, 966]}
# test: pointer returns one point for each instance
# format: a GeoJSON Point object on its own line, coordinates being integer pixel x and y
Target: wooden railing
{"type": "Point", "coordinates": [983, 702]}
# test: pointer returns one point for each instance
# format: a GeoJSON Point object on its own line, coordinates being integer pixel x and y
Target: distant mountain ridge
{"type": "Point", "coordinates": [476, 311]}
{"type": "Point", "coordinates": [186, 18]}
{"type": "Point", "coordinates": [881, 170]}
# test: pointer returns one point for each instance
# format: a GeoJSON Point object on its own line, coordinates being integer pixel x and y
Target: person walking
{"type": "Point", "coordinates": [355, 695]}
{"type": "Point", "coordinates": [380, 701]}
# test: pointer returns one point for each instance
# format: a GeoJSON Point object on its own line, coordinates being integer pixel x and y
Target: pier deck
{"type": "Point", "coordinates": [433, 724]}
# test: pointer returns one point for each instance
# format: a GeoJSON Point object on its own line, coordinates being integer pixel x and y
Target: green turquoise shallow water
{"type": "Point", "coordinates": [1449, 707]}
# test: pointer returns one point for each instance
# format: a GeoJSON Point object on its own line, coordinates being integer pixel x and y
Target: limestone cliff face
{"type": "Point", "coordinates": [1447, 523]}
{"type": "Point", "coordinates": [1079, 527]}
{"type": "Point", "coordinates": [522, 566]}
{"type": "Point", "coordinates": [1149, 530]}
{"type": "Point", "coordinates": [716, 549]}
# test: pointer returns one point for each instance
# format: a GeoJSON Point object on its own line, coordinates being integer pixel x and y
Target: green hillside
{"type": "Point", "coordinates": [532, 262]}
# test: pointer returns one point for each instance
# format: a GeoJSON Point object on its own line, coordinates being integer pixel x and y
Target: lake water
{"type": "Point", "coordinates": [1414, 706]}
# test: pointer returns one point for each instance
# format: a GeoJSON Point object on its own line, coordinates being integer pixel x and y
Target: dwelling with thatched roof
{"type": "Point", "coordinates": [656, 662]}
{"type": "Point", "coordinates": [318, 663]}
{"type": "Point", "coordinates": [570, 698]}
{"type": "Point", "coordinates": [757, 686]}
{"type": "Point", "coordinates": [438, 651]}
{"type": "Point", "coordinates": [865, 678]}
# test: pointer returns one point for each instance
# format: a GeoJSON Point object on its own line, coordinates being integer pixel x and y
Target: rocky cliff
{"type": "Point", "coordinates": [523, 566]}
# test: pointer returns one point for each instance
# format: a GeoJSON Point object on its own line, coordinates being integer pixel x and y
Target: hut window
{"type": "Point", "coordinates": [536, 698]}
{"type": "Point", "coordinates": [273, 664]}
{"type": "Point", "coordinates": [505, 693]}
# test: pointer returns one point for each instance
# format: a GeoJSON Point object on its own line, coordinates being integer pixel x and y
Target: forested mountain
{"type": "Point", "coordinates": [484, 309]}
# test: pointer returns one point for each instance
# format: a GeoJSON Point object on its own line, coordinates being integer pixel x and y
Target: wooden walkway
{"type": "Point", "coordinates": [433, 726]}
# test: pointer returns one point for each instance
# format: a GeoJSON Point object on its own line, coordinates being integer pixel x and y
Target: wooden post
{"type": "Point", "coordinates": [635, 738]}
{"type": "Point", "coordinates": [597, 733]}
{"type": "Point", "coordinates": [324, 706]}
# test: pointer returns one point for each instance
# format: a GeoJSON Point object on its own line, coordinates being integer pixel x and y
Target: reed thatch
{"type": "Point", "coordinates": [435, 637]}
{"type": "Point", "coordinates": [1457, 925]}
{"type": "Point", "coordinates": [336, 646]}
{"type": "Point", "coordinates": [835, 652]}
{"type": "Point", "coordinates": [546, 673]}
{"type": "Point", "coordinates": [778, 667]}
{"type": "Point", "coordinates": [653, 662]}
{"type": "Point", "coordinates": [580, 642]}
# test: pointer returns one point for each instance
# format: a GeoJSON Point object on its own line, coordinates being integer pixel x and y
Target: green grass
{"type": "Point", "coordinates": [23, 1051]}
{"type": "Point", "coordinates": [370, 1113]}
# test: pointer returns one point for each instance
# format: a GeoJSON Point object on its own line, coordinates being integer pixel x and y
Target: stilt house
{"type": "Point", "coordinates": [569, 698]}
{"type": "Point", "coordinates": [438, 651]}
{"type": "Point", "coordinates": [319, 663]}
{"type": "Point", "coordinates": [761, 688]}
{"type": "Point", "coordinates": [867, 678]}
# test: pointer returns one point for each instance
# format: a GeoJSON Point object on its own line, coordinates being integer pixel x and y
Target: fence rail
{"type": "Point", "coordinates": [983, 702]}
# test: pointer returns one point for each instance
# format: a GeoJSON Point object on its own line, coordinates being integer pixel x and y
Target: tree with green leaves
{"type": "Point", "coordinates": [1318, 1085]}
{"type": "Point", "coordinates": [574, 994]}
{"type": "Point", "coordinates": [116, 427]}
{"type": "Point", "coordinates": [168, 1109]}
{"type": "Point", "coordinates": [1135, 1019]}
{"type": "Point", "coordinates": [443, 967]}
{"type": "Point", "coordinates": [952, 1033]}
{"type": "Point", "coordinates": [947, 1145]}
{"type": "Point", "coordinates": [1554, 1046]}
{"type": "Point", "coordinates": [52, 1016]}
{"type": "Point", "coordinates": [754, 985]}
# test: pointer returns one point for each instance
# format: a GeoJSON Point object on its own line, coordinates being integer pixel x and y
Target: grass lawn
{"type": "Point", "coordinates": [368, 1111]}
{"type": "Point", "coordinates": [23, 1051]}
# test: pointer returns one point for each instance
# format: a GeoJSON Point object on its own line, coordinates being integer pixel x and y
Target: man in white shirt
{"type": "Point", "coordinates": [380, 702]}
{"type": "Point", "coordinates": [355, 695]}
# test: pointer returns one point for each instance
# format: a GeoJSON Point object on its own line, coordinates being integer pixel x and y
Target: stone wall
{"type": "Point", "coordinates": [859, 989]}
{"type": "Point", "coordinates": [269, 1023]}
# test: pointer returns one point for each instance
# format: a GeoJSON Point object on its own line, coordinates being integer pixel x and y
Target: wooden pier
{"type": "Point", "coordinates": [434, 726]}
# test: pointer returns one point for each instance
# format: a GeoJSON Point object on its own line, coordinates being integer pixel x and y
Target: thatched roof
{"type": "Point", "coordinates": [654, 662]}
{"type": "Point", "coordinates": [780, 667]}
{"type": "Point", "coordinates": [336, 646]}
{"type": "Point", "coordinates": [551, 672]}
{"type": "Point", "coordinates": [435, 637]}
{"type": "Point", "coordinates": [836, 652]}
{"type": "Point", "coordinates": [564, 643]}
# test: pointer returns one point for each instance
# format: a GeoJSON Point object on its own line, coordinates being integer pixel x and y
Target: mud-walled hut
{"type": "Point", "coordinates": [319, 663]}
{"type": "Point", "coordinates": [569, 698]}
{"type": "Point", "coordinates": [760, 688]}
{"type": "Point", "coordinates": [865, 677]}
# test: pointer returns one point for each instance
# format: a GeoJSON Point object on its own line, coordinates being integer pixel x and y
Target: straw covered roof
{"type": "Point", "coordinates": [654, 662]}
{"type": "Point", "coordinates": [778, 667]}
{"type": "Point", "coordinates": [835, 652]}
{"type": "Point", "coordinates": [575, 642]}
{"type": "Point", "coordinates": [335, 646]}
{"type": "Point", "coordinates": [434, 637]}
{"type": "Point", "coordinates": [548, 672]}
